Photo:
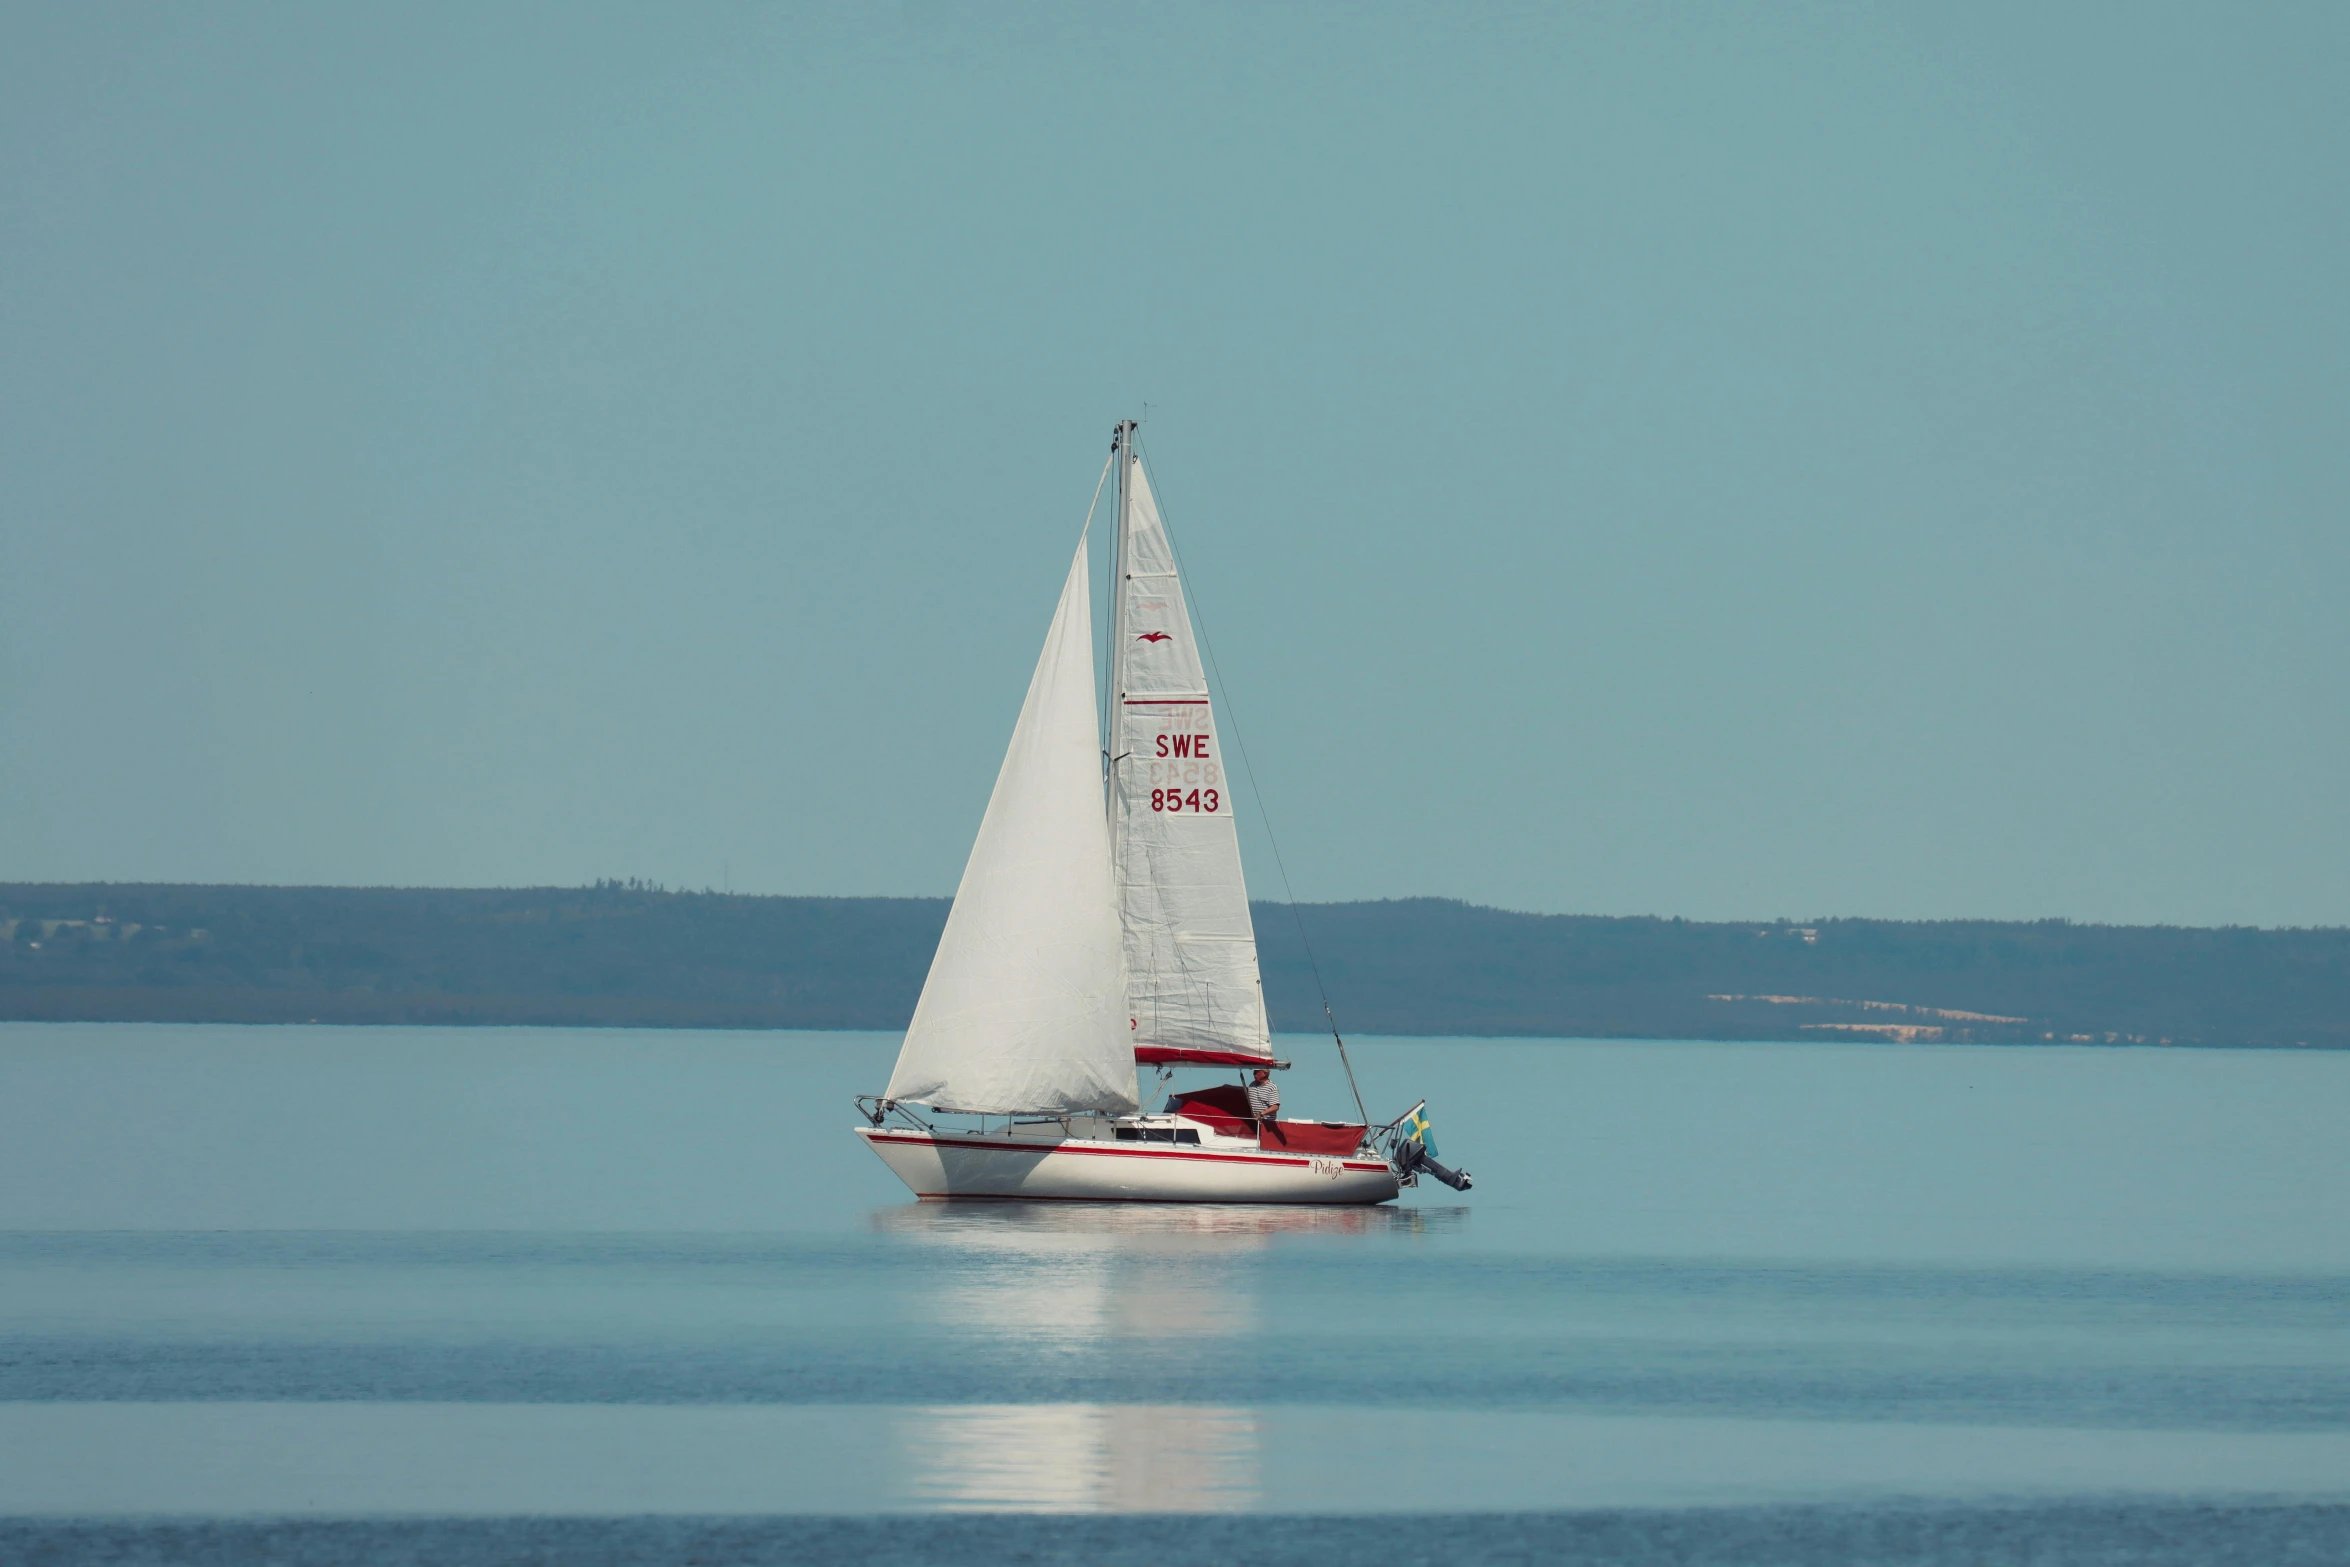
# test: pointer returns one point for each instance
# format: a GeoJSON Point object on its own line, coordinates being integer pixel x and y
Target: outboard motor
{"type": "Point", "coordinates": [1411, 1157]}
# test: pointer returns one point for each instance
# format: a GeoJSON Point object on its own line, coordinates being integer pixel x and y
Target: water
{"type": "Point", "coordinates": [309, 1294]}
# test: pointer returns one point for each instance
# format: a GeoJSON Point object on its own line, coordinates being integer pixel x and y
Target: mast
{"type": "Point", "coordinates": [1122, 451]}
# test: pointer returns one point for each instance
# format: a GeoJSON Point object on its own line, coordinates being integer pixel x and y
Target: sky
{"type": "Point", "coordinates": [1718, 461]}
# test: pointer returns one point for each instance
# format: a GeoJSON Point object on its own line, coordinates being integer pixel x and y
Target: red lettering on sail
{"type": "Point", "coordinates": [1207, 802]}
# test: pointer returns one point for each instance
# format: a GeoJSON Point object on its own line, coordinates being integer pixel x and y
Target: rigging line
{"type": "Point", "coordinates": [1288, 894]}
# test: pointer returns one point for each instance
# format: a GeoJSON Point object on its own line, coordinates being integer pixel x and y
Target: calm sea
{"type": "Point", "coordinates": [472, 1296]}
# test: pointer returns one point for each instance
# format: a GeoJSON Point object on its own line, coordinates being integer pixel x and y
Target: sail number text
{"type": "Point", "coordinates": [1184, 778]}
{"type": "Point", "coordinates": [1205, 801]}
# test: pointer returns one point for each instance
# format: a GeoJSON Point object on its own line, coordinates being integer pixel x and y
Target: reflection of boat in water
{"type": "Point", "coordinates": [1086, 940]}
{"type": "Point", "coordinates": [1168, 1283]}
{"type": "Point", "coordinates": [1082, 1458]}
{"type": "Point", "coordinates": [1121, 1270]}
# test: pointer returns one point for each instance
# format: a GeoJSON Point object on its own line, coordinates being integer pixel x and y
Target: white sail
{"type": "Point", "coordinates": [1191, 950]}
{"type": "Point", "coordinates": [1021, 1009]}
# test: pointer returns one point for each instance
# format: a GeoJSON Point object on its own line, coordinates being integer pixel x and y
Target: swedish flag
{"type": "Point", "coordinates": [1417, 1128]}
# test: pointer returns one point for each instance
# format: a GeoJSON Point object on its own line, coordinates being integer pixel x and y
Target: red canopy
{"type": "Point", "coordinates": [1226, 1108]}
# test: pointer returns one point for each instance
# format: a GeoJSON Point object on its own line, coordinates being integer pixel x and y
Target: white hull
{"type": "Point", "coordinates": [962, 1164]}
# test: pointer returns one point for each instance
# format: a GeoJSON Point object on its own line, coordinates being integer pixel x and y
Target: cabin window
{"type": "Point", "coordinates": [1157, 1134]}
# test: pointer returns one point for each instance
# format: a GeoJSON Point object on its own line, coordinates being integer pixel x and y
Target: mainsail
{"type": "Point", "coordinates": [1192, 988]}
{"type": "Point", "coordinates": [1021, 1011]}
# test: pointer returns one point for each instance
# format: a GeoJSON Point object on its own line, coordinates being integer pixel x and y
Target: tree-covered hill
{"type": "Point", "coordinates": [618, 954]}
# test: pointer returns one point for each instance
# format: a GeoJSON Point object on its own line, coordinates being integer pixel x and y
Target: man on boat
{"type": "Point", "coordinates": [1264, 1097]}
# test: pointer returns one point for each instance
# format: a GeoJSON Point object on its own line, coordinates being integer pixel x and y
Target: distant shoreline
{"type": "Point", "coordinates": [631, 956]}
{"type": "Point", "coordinates": [1353, 1036]}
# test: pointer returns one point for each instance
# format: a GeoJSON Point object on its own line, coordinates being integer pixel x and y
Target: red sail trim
{"type": "Point", "coordinates": [1168, 1055]}
{"type": "Point", "coordinates": [1166, 701]}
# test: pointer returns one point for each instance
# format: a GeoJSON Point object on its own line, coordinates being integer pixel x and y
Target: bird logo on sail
{"type": "Point", "coordinates": [1152, 636]}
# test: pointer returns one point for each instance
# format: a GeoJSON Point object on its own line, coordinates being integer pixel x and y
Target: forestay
{"type": "Point", "coordinates": [1021, 1011]}
{"type": "Point", "coordinates": [1191, 951]}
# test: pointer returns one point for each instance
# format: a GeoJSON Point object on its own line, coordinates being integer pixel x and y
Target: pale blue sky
{"type": "Point", "coordinates": [1725, 461]}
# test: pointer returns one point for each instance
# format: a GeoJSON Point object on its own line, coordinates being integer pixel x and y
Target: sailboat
{"type": "Point", "coordinates": [1102, 925]}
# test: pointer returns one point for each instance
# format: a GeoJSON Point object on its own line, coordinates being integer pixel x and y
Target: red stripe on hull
{"type": "Point", "coordinates": [1111, 1153]}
